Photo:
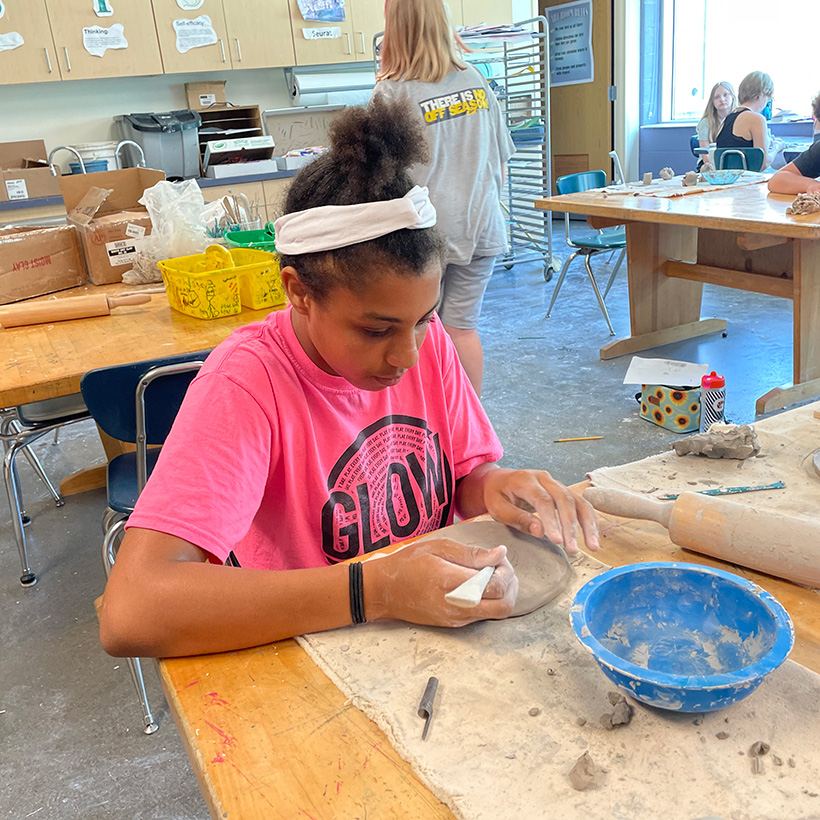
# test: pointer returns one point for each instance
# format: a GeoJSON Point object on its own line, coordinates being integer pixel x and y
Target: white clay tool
{"type": "Point", "coordinates": [469, 593]}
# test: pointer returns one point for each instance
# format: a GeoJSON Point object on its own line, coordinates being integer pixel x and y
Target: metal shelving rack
{"type": "Point", "coordinates": [523, 90]}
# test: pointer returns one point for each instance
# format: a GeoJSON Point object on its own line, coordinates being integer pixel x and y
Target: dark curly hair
{"type": "Point", "coordinates": [371, 149]}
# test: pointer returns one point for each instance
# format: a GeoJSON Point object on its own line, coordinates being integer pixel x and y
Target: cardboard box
{"type": "Point", "coordinates": [292, 163]}
{"type": "Point", "coordinates": [242, 169]}
{"type": "Point", "coordinates": [205, 95]}
{"type": "Point", "coordinates": [36, 261]}
{"type": "Point", "coordinates": [106, 211]}
{"type": "Point", "coordinates": [24, 171]}
{"type": "Point", "coordinates": [234, 151]}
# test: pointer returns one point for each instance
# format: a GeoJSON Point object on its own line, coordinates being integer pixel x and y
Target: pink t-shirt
{"type": "Point", "coordinates": [291, 467]}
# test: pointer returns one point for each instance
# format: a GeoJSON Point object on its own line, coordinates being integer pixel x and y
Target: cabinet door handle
{"type": "Point", "coordinates": [222, 46]}
{"type": "Point", "coordinates": [349, 49]}
{"type": "Point", "coordinates": [67, 59]}
{"type": "Point", "coordinates": [48, 61]}
{"type": "Point", "coordinates": [361, 39]}
{"type": "Point", "coordinates": [238, 49]}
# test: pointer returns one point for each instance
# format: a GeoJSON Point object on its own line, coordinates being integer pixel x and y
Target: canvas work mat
{"type": "Point", "coordinates": [788, 443]}
{"type": "Point", "coordinates": [674, 187]}
{"type": "Point", "coordinates": [520, 700]}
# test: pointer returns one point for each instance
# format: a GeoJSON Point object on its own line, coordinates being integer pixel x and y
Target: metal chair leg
{"type": "Point", "coordinates": [38, 468]}
{"type": "Point", "coordinates": [150, 724]}
{"type": "Point", "coordinates": [560, 281]}
{"type": "Point", "coordinates": [598, 296]}
{"type": "Point", "coordinates": [11, 480]}
{"type": "Point", "coordinates": [615, 272]}
{"type": "Point", "coordinates": [109, 549]}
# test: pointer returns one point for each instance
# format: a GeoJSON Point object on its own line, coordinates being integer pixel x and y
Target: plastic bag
{"type": "Point", "coordinates": [176, 211]}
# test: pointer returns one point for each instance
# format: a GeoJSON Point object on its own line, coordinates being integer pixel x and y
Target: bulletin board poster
{"type": "Point", "coordinates": [570, 27]}
{"type": "Point", "coordinates": [322, 11]}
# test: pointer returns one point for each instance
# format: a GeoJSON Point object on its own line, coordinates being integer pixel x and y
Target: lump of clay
{"type": "Point", "coordinates": [583, 773]}
{"type": "Point", "coordinates": [722, 441]}
{"type": "Point", "coordinates": [621, 715]}
{"type": "Point", "coordinates": [707, 167]}
{"type": "Point", "coordinates": [804, 204]}
{"type": "Point", "coordinates": [690, 178]}
{"type": "Point", "coordinates": [666, 173]}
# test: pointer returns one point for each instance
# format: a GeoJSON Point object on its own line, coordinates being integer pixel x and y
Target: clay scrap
{"type": "Point", "coordinates": [804, 204]}
{"type": "Point", "coordinates": [666, 173]}
{"type": "Point", "coordinates": [621, 715]}
{"type": "Point", "coordinates": [690, 178]}
{"type": "Point", "coordinates": [584, 773]}
{"type": "Point", "coordinates": [722, 441]}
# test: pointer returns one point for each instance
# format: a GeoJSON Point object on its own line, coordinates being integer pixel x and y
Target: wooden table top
{"type": "Point", "coordinates": [45, 361]}
{"type": "Point", "coordinates": [750, 208]}
{"type": "Point", "coordinates": [270, 736]}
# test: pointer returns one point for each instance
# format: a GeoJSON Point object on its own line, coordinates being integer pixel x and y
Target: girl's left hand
{"type": "Point", "coordinates": [513, 497]}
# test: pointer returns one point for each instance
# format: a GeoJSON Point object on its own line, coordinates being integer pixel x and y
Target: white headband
{"type": "Point", "coordinates": [337, 226]}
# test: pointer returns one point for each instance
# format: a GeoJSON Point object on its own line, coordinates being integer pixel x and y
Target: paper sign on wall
{"type": "Point", "coordinates": [570, 27]}
{"type": "Point", "coordinates": [194, 33]}
{"type": "Point", "coordinates": [102, 8]}
{"type": "Point", "coordinates": [322, 11]}
{"type": "Point", "coordinates": [2, 8]}
{"type": "Point", "coordinates": [98, 39]}
{"type": "Point", "coordinates": [10, 41]}
{"type": "Point", "coordinates": [190, 5]}
{"type": "Point", "coordinates": [16, 189]}
{"type": "Point", "coordinates": [329, 33]}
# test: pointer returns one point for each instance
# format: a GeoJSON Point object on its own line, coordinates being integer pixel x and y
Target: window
{"type": "Point", "coordinates": [703, 42]}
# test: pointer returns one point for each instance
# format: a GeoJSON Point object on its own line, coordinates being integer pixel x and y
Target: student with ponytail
{"type": "Point", "coordinates": [330, 429]}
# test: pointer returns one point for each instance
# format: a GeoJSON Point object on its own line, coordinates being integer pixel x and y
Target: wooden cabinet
{"type": "Point", "coordinates": [252, 190]}
{"type": "Point", "coordinates": [275, 191]}
{"type": "Point", "coordinates": [180, 32]}
{"type": "Point", "coordinates": [73, 23]}
{"type": "Point", "coordinates": [33, 61]}
{"type": "Point", "coordinates": [325, 49]}
{"type": "Point", "coordinates": [368, 20]}
{"type": "Point", "coordinates": [259, 34]}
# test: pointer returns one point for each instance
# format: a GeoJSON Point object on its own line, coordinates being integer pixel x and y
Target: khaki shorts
{"type": "Point", "coordinates": [462, 292]}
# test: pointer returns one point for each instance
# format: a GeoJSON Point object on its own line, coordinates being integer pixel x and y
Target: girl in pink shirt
{"type": "Point", "coordinates": [331, 429]}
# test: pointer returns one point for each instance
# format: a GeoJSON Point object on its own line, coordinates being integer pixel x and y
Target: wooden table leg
{"type": "Point", "coordinates": [806, 294]}
{"type": "Point", "coordinates": [91, 478]}
{"type": "Point", "coordinates": [661, 309]}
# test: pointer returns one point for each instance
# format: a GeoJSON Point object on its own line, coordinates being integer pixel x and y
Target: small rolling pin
{"type": "Point", "coordinates": [787, 546]}
{"type": "Point", "coordinates": [73, 307]}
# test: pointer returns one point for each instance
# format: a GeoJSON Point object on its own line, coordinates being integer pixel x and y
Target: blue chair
{"type": "Point", "coordinates": [135, 403]}
{"type": "Point", "coordinates": [605, 241]}
{"type": "Point", "coordinates": [749, 159]}
{"type": "Point", "coordinates": [20, 427]}
{"type": "Point", "coordinates": [694, 142]}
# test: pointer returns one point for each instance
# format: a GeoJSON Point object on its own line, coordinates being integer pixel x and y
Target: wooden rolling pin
{"type": "Point", "coordinates": [786, 546]}
{"type": "Point", "coordinates": [72, 307]}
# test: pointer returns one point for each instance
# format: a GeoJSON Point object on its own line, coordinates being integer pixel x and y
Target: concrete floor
{"type": "Point", "coordinates": [71, 744]}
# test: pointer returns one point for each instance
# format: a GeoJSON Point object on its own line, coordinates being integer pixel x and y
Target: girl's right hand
{"type": "Point", "coordinates": [410, 584]}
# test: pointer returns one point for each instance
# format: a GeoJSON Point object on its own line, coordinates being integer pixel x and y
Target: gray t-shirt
{"type": "Point", "coordinates": [469, 143]}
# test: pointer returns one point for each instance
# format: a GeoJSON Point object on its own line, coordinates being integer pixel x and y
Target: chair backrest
{"type": "Point", "coordinates": [583, 181]}
{"type": "Point", "coordinates": [750, 159]}
{"type": "Point", "coordinates": [694, 142]}
{"type": "Point", "coordinates": [110, 393]}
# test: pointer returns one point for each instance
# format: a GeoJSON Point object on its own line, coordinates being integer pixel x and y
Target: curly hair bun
{"type": "Point", "coordinates": [372, 147]}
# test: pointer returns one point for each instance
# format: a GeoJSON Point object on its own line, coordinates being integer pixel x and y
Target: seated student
{"type": "Point", "coordinates": [332, 428]}
{"type": "Point", "coordinates": [815, 116]}
{"type": "Point", "coordinates": [721, 101]}
{"type": "Point", "coordinates": [799, 176]}
{"type": "Point", "coordinates": [746, 126]}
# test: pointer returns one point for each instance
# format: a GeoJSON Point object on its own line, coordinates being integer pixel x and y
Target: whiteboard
{"type": "Point", "coordinates": [300, 127]}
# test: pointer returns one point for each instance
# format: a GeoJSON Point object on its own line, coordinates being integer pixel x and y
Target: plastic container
{"type": "Point", "coordinates": [91, 151]}
{"type": "Point", "coordinates": [261, 240]}
{"type": "Point", "coordinates": [712, 400]}
{"type": "Point", "coordinates": [91, 166]}
{"type": "Point", "coordinates": [170, 141]}
{"type": "Point", "coordinates": [220, 281]}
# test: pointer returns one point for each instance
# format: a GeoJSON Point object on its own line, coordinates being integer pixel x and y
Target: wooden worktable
{"type": "Point", "coordinates": [734, 237]}
{"type": "Point", "coordinates": [270, 736]}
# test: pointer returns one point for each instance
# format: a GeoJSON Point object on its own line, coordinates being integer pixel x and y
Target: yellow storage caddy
{"type": "Point", "coordinates": [218, 282]}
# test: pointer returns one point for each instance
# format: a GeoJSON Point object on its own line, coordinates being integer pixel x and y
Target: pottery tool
{"type": "Point", "coordinates": [73, 307]}
{"type": "Point", "coordinates": [776, 485]}
{"type": "Point", "coordinates": [469, 593]}
{"type": "Point", "coordinates": [580, 438]}
{"type": "Point", "coordinates": [426, 704]}
{"type": "Point", "coordinates": [786, 546]}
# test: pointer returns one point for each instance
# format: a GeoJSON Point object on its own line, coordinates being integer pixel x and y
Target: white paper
{"type": "Point", "coordinates": [122, 252]}
{"type": "Point", "coordinates": [207, 99]}
{"type": "Point", "coordinates": [134, 231]}
{"type": "Point", "coordinates": [98, 39]}
{"type": "Point", "coordinates": [16, 189]}
{"type": "Point", "coordinates": [102, 8]}
{"type": "Point", "coordinates": [190, 5]}
{"type": "Point", "coordinates": [2, 8]}
{"type": "Point", "coordinates": [329, 33]}
{"type": "Point", "coordinates": [11, 41]}
{"type": "Point", "coordinates": [664, 371]}
{"type": "Point", "coordinates": [194, 33]}
{"type": "Point", "coordinates": [322, 11]}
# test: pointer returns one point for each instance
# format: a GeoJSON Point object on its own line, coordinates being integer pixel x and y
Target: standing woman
{"type": "Point", "coordinates": [469, 148]}
{"type": "Point", "coordinates": [746, 126]}
{"type": "Point", "coordinates": [722, 100]}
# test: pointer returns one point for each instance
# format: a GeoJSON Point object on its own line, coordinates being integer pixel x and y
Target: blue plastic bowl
{"type": "Point", "coordinates": [682, 637]}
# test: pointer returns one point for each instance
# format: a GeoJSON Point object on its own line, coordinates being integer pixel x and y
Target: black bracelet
{"type": "Point", "coordinates": [356, 584]}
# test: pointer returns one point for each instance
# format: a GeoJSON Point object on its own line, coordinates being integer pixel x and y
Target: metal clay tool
{"type": "Point", "coordinates": [426, 704]}
{"type": "Point", "coordinates": [469, 593]}
{"type": "Point", "coordinates": [777, 485]}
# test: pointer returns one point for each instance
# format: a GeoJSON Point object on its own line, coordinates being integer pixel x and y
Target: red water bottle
{"type": "Point", "coordinates": [712, 400]}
